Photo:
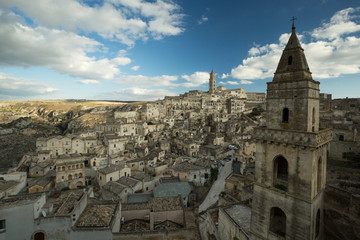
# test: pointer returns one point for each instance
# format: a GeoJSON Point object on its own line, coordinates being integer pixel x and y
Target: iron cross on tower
{"type": "Point", "coordinates": [293, 20]}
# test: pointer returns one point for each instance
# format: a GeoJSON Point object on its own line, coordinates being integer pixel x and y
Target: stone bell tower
{"type": "Point", "coordinates": [212, 82]}
{"type": "Point", "coordinates": [291, 151]}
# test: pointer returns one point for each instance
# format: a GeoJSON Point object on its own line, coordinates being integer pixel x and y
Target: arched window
{"type": "Point", "coordinates": [39, 236]}
{"type": "Point", "coordinates": [319, 175]}
{"type": "Point", "coordinates": [278, 221]}
{"type": "Point", "coordinates": [290, 59]}
{"type": "Point", "coordinates": [285, 115]}
{"type": "Point", "coordinates": [70, 177]}
{"type": "Point", "coordinates": [280, 172]}
{"type": "Point", "coordinates": [317, 226]}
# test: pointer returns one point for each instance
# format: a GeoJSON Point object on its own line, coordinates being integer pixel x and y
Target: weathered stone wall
{"type": "Point", "coordinates": [300, 214]}
{"type": "Point", "coordinates": [302, 167]}
{"type": "Point", "coordinates": [343, 201]}
{"type": "Point", "coordinates": [300, 97]}
{"type": "Point", "coordinates": [342, 214]}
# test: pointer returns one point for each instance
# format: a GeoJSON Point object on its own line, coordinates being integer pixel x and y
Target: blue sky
{"type": "Point", "coordinates": [144, 50]}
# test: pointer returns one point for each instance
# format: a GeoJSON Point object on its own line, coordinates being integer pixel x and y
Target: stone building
{"type": "Point", "coordinates": [291, 157]}
{"type": "Point", "coordinates": [112, 173]}
{"type": "Point", "coordinates": [70, 171]}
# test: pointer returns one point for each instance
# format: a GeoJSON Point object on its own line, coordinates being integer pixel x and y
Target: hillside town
{"type": "Point", "coordinates": [198, 166]}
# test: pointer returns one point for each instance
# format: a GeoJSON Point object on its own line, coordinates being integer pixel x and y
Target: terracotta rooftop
{"type": "Point", "coordinates": [64, 204]}
{"type": "Point", "coordinates": [114, 187]}
{"type": "Point", "coordinates": [156, 204]}
{"type": "Point", "coordinates": [135, 225]}
{"type": "Point", "coordinates": [128, 181]}
{"type": "Point", "coordinates": [167, 225]}
{"type": "Point", "coordinates": [97, 215]}
{"type": "Point", "coordinates": [19, 199]}
{"type": "Point", "coordinates": [4, 185]}
{"type": "Point", "coordinates": [110, 169]}
{"type": "Point", "coordinates": [186, 166]}
{"type": "Point", "coordinates": [141, 176]}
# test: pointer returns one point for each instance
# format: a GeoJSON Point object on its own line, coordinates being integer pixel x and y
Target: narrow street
{"type": "Point", "coordinates": [217, 187]}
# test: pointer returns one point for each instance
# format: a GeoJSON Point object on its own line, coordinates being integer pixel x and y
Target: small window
{"type": "Point", "coordinates": [341, 137]}
{"type": "Point", "coordinates": [290, 60]}
{"type": "Point", "coordinates": [313, 115]}
{"type": "Point", "coordinates": [285, 117]}
{"type": "Point", "coordinates": [110, 178]}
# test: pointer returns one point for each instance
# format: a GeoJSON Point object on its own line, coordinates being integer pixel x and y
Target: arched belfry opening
{"type": "Point", "coordinates": [290, 60]}
{"type": "Point", "coordinates": [278, 221]}
{"type": "Point", "coordinates": [280, 171]}
{"type": "Point", "coordinates": [285, 115]}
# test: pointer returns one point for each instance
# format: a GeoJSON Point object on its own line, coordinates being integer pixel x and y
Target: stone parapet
{"type": "Point", "coordinates": [306, 139]}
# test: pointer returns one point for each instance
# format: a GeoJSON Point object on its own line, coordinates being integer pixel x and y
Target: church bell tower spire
{"type": "Point", "coordinates": [291, 154]}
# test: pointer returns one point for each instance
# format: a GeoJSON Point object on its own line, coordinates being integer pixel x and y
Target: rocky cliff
{"type": "Point", "coordinates": [22, 122]}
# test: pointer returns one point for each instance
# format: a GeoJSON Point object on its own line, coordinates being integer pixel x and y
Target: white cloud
{"type": "Point", "coordinates": [203, 19]}
{"type": "Point", "coordinates": [195, 79]}
{"type": "Point", "coordinates": [223, 76]}
{"type": "Point", "coordinates": [122, 20]}
{"type": "Point", "coordinates": [164, 17]}
{"type": "Point", "coordinates": [64, 52]}
{"type": "Point", "coordinates": [136, 94]}
{"type": "Point", "coordinates": [246, 82]}
{"type": "Point", "coordinates": [334, 50]}
{"type": "Point", "coordinates": [141, 80]}
{"type": "Point", "coordinates": [221, 82]}
{"type": "Point", "coordinates": [232, 82]}
{"type": "Point", "coordinates": [88, 81]}
{"type": "Point", "coordinates": [135, 68]}
{"type": "Point", "coordinates": [340, 24]}
{"type": "Point", "coordinates": [17, 87]}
